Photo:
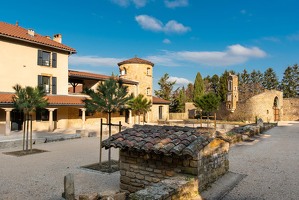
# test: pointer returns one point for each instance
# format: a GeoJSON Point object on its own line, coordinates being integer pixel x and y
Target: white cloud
{"type": "Point", "coordinates": [174, 27]}
{"type": "Point", "coordinates": [149, 23]}
{"type": "Point", "coordinates": [179, 81]}
{"type": "Point", "coordinates": [233, 55]}
{"type": "Point", "coordinates": [125, 3]}
{"type": "Point", "coordinates": [153, 24]}
{"type": "Point", "coordinates": [176, 3]}
{"type": "Point", "coordinates": [166, 41]}
{"type": "Point", "coordinates": [94, 61]}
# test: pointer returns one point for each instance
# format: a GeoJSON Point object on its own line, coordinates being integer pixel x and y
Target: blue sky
{"type": "Point", "coordinates": [182, 37]}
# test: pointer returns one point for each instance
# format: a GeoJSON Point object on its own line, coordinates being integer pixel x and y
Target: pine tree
{"type": "Point", "coordinates": [215, 84]}
{"type": "Point", "coordinates": [207, 103]}
{"type": "Point", "coordinates": [289, 83]}
{"type": "Point", "coordinates": [166, 87]}
{"type": "Point", "coordinates": [270, 80]}
{"type": "Point", "coordinates": [255, 83]}
{"type": "Point", "coordinates": [108, 97]}
{"type": "Point", "coordinates": [198, 87]}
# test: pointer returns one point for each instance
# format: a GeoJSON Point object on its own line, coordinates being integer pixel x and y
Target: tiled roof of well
{"type": "Point", "coordinates": [167, 140]}
{"type": "Point", "coordinates": [6, 98]}
{"type": "Point", "coordinates": [19, 33]}
{"type": "Point", "coordinates": [136, 61]}
{"type": "Point", "coordinates": [157, 100]}
{"type": "Point", "coordinates": [94, 76]}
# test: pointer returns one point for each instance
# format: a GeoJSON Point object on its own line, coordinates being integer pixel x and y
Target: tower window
{"type": "Point", "coordinates": [148, 91]}
{"type": "Point", "coordinates": [148, 71]}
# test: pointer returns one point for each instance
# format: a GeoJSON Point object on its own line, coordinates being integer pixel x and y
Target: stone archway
{"type": "Point", "coordinates": [276, 109]}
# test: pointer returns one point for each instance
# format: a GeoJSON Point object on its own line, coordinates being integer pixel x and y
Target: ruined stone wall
{"type": "Point", "coordinates": [260, 106]}
{"type": "Point", "coordinates": [290, 109]}
{"type": "Point", "coordinates": [139, 170]}
{"type": "Point", "coordinates": [213, 163]}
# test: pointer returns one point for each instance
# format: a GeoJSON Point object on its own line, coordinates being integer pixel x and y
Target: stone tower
{"type": "Point", "coordinates": [232, 93]}
{"type": "Point", "coordinates": [137, 69]}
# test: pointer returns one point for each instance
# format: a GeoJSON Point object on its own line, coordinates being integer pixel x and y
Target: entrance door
{"type": "Point", "coordinates": [127, 116]}
{"type": "Point", "coordinates": [16, 118]}
{"type": "Point", "coordinates": [160, 112]}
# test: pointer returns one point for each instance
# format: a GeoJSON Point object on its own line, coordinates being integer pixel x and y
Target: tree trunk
{"type": "Point", "coordinates": [109, 150]}
{"type": "Point", "coordinates": [24, 125]}
{"type": "Point", "coordinates": [27, 130]}
{"type": "Point", "coordinates": [31, 133]}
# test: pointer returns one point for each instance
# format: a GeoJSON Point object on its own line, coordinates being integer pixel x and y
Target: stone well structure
{"type": "Point", "coordinates": [150, 154]}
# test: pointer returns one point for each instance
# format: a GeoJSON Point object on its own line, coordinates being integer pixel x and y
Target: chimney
{"type": "Point", "coordinates": [17, 23]}
{"type": "Point", "coordinates": [31, 32]}
{"type": "Point", "coordinates": [57, 38]}
{"type": "Point", "coordinates": [48, 37]}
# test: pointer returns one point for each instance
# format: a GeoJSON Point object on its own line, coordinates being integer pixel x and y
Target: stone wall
{"type": "Point", "coordinates": [178, 116]}
{"type": "Point", "coordinates": [290, 109]}
{"type": "Point", "coordinates": [139, 170]}
{"type": "Point", "coordinates": [213, 162]}
{"type": "Point", "coordinates": [179, 187]}
{"type": "Point", "coordinates": [260, 106]}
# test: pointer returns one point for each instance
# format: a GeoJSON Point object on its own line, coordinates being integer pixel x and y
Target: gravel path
{"type": "Point", "coordinates": [40, 176]}
{"type": "Point", "coordinates": [271, 164]}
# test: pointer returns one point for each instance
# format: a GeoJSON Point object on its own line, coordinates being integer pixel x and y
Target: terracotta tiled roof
{"type": "Point", "coordinates": [6, 98]}
{"type": "Point", "coordinates": [19, 33]}
{"type": "Point", "coordinates": [100, 77]}
{"type": "Point", "coordinates": [136, 61]}
{"type": "Point", "coordinates": [165, 140]}
{"type": "Point", "coordinates": [65, 100]}
{"type": "Point", "coordinates": [157, 100]}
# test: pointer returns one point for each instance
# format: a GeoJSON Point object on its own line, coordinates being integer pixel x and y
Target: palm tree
{"type": "Point", "coordinates": [108, 97]}
{"type": "Point", "coordinates": [140, 105]}
{"type": "Point", "coordinates": [27, 99]}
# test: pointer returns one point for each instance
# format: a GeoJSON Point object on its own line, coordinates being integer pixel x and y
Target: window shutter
{"type": "Point", "coordinates": [39, 81]}
{"type": "Point", "coordinates": [54, 85]}
{"type": "Point", "coordinates": [54, 60]}
{"type": "Point", "coordinates": [40, 57]}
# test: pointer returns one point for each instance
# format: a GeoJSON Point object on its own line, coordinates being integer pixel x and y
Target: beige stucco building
{"type": "Point", "coordinates": [29, 59]}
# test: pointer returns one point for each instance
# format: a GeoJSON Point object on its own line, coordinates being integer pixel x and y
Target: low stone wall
{"type": "Point", "coordinates": [180, 187]}
{"type": "Point", "coordinates": [290, 109]}
{"type": "Point", "coordinates": [213, 163]}
{"type": "Point", "coordinates": [178, 116]}
{"type": "Point", "coordinates": [139, 170]}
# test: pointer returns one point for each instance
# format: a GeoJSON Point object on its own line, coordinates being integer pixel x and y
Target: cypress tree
{"type": "Point", "coordinates": [198, 87]}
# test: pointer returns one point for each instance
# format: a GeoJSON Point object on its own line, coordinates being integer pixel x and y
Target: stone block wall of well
{"type": "Point", "coordinates": [213, 163]}
{"type": "Point", "coordinates": [138, 170]}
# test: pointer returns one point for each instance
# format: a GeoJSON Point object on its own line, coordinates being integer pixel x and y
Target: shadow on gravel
{"type": "Point", "coordinates": [24, 153]}
{"type": "Point", "coordinates": [104, 167]}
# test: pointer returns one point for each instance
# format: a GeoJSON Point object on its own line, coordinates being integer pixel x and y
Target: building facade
{"type": "Point", "coordinates": [30, 59]}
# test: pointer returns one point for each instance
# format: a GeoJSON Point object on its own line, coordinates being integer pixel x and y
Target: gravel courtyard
{"type": "Point", "coordinates": [40, 176]}
{"type": "Point", "coordinates": [271, 164]}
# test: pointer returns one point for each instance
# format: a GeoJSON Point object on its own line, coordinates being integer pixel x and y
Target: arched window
{"type": "Point", "coordinates": [276, 102]}
{"type": "Point", "coordinates": [123, 71]}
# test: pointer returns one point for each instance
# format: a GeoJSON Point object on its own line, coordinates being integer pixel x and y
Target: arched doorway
{"type": "Point", "coordinates": [276, 109]}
